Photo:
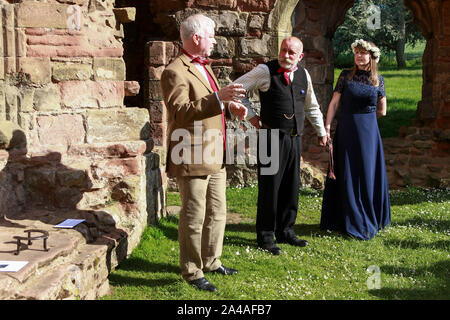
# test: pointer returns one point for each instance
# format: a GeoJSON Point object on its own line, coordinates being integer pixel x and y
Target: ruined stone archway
{"type": "Point", "coordinates": [250, 32]}
{"type": "Point", "coordinates": [419, 155]}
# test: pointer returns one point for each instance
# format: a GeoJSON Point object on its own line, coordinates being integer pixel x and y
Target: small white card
{"type": "Point", "coordinates": [12, 266]}
{"type": "Point", "coordinates": [69, 223]}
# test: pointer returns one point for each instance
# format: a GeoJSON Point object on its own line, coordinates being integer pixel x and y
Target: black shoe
{"type": "Point", "coordinates": [272, 248]}
{"type": "Point", "coordinates": [203, 284]}
{"type": "Point", "coordinates": [295, 242]}
{"type": "Point", "coordinates": [225, 271]}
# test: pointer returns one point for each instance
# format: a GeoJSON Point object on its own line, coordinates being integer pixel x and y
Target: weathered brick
{"type": "Point", "coordinates": [38, 69]}
{"type": "Point", "coordinates": [41, 51]}
{"type": "Point", "coordinates": [216, 4]}
{"type": "Point", "coordinates": [55, 40]}
{"type": "Point", "coordinates": [64, 129]}
{"type": "Point", "coordinates": [42, 15]}
{"type": "Point", "coordinates": [157, 53]}
{"type": "Point", "coordinates": [256, 5]}
{"type": "Point", "coordinates": [47, 98]}
{"type": "Point", "coordinates": [131, 88]}
{"type": "Point", "coordinates": [128, 124]}
{"type": "Point", "coordinates": [109, 68]}
{"type": "Point", "coordinates": [91, 94]}
{"type": "Point", "coordinates": [71, 71]}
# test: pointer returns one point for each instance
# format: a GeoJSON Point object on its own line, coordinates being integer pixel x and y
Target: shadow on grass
{"type": "Point", "coordinates": [408, 244]}
{"type": "Point", "coordinates": [119, 280]}
{"type": "Point", "coordinates": [440, 290]}
{"type": "Point", "coordinates": [169, 227]}
{"type": "Point", "coordinates": [231, 237]}
{"type": "Point", "coordinates": [429, 224]}
{"type": "Point", "coordinates": [416, 195]}
{"type": "Point", "coordinates": [142, 265]}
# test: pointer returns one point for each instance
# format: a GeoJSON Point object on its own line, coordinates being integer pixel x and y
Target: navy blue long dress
{"type": "Point", "coordinates": [357, 202]}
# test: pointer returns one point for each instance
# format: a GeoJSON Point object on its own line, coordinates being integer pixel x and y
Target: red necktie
{"type": "Point", "coordinates": [204, 62]}
{"type": "Point", "coordinates": [285, 73]}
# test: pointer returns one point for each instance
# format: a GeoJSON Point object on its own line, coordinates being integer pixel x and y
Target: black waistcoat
{"type": "Point", "coordinates": [283, 101]}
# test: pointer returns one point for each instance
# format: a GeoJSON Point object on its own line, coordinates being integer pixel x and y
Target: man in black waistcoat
{"type": "Point", "coordinates": [286, 96]}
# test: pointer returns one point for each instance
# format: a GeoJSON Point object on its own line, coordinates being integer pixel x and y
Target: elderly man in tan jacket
{"type": "Point", "coordinates": [196, 138]}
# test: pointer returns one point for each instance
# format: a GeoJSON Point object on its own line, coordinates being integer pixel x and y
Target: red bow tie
{"type": "Point", "coordinates": [285, 73]}
{"type": "Point", "coordinates": [196, 59]}
{"type": "Point", "coordinates": [201, 61]}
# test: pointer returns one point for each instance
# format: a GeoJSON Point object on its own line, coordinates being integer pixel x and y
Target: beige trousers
{"type": "Point", "coordinates": [202, 223]}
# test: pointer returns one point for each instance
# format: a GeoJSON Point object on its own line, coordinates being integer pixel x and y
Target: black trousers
{"type": "Point", "coordinates": [278, 192]}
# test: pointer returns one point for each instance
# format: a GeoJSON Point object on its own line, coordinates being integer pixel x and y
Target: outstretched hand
{"type": "Point", "coordinates": [238, 109]}
{"type": "Point", "coordinates": [232, 92]}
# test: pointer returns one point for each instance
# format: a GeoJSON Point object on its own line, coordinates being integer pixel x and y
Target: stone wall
{"type": "Point", "coordinates": [69, 147]}
{"type": "Point", "coordinates": [249, 32]}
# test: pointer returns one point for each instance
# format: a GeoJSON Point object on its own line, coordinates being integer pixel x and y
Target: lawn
{"type": "Point", "coordinates": [412, 256]}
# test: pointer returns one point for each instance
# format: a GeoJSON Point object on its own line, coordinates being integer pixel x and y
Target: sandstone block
{"type": "Point", "coordinates": [72, 71]}
{"type": "Point", "coordinates": [230, 23]}
{"type": "Point", "coordinates": [38, 69]}
{"type": "Point", "coordinates": [109, 69]}
{"type": "Point", "coordinates": [72, 178]}
{"type": "Point", "coordinates": [224, 48]}
{"type": "Point", "coordinates": [55, 40]}
{"type": "Point", "coordinates": [41, 51]}
{"type": "Point", "coordinates": [255, 47]}
{"type": "Point", "coordinates": [47, 98]}
{"type": "Point", "coordinates": [92, 94]}
{"type": "Point", "coordinates": [156, 51]}
{"type": "Point", "coordinates": [256, 5]}
{"type": "Point", "coordinates": [256, 22]}
{"type": "Point", "coordinates": [117, 125]}
{"type": "Point", "coordinates": [26, 99]}
{"type": "Point", "coordinates": [11, 135]}
{"type": "Point", "coordinates": [45, 15]}
{"type": "Point", "coordinates": [64, 129]}
{"type": "Point", "coordinates": [131, 88]}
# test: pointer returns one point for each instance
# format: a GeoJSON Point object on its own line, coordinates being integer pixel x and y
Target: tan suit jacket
{"type": "Point", "coordinates": [189, 97]}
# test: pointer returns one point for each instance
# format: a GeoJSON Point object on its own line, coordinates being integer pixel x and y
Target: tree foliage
{"type": "Point", "coordinates": [395, 29]}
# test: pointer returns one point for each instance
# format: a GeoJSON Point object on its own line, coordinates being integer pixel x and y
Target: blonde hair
{"type": "Point", "coordinates": [373, 66]}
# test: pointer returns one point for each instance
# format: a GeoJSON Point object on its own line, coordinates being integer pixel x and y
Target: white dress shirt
{"type": "Point", "coordinates": [259, 79]}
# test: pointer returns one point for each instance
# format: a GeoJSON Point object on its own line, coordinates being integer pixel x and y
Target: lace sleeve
{"type": "Point", "coordinates": [381, 90]}
{"type": "Point", "coordinates": [340, 82]}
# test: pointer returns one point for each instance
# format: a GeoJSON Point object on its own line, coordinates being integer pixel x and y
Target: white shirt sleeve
{"type": "Point", "coordinates": [312, 109]}
{"type": "Point", "coordinates": [256, 79]}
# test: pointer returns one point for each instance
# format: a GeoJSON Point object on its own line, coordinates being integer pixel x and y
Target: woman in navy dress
{"type": "Point", "coordinates": [357, 202]}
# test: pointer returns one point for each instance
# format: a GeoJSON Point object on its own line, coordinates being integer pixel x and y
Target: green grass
{"type": "Point", "coordinates": [412, 254]}
{"type": "Point", "coordinates": [403, 87]}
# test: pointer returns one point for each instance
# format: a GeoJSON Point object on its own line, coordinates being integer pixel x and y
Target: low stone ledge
{"type": "Point", "coordinates": [71, 269]}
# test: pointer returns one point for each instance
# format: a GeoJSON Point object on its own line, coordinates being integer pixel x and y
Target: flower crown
{"type": "Point", "coordinates": [367, 46]}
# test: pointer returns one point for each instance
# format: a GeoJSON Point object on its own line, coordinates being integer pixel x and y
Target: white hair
{"type": "Point", "coordinates": [196, 24]}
